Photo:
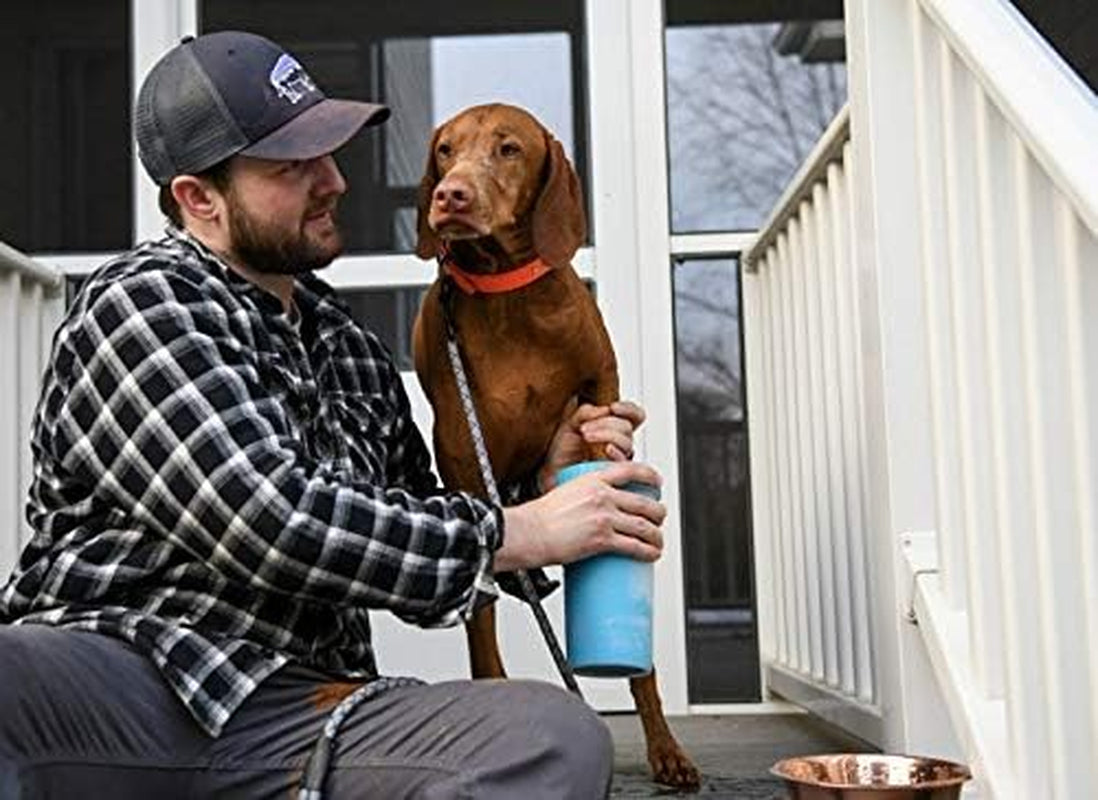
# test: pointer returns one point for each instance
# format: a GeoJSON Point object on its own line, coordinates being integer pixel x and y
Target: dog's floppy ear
{"type": "Point", "coordinates": [427, 242]}
{"type": "Point", "coordinates": [559, 224]}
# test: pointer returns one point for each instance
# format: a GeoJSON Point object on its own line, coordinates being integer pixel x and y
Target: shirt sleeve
{"type": "Point", "coordinates": [164, 414]}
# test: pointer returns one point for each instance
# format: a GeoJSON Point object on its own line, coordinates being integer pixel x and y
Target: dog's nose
{"type": "Point", "coordinates": [453, 195]}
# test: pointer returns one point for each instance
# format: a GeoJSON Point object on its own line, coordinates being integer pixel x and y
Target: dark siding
{"type": "Point", "coordinates": [1071, 26]}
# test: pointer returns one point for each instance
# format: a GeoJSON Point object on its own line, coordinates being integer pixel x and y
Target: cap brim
{"type": "Point", "coordinates": [317, 131]}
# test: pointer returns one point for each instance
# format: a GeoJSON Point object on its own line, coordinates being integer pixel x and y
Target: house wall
{"type": "Point", "coordinates": [1071, 27]}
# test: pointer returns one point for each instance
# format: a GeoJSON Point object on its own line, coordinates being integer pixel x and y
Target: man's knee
{"type": "Point", "coordinates": [22, 658]}
{"type": "Point", "coordinates": [492, 740]}
{"type": "Point", "coordinates": [573, 721]}
{"type": "Point", "coordinates": [574, 734]}
{"type": "Point", "coordinates": [9, 779]}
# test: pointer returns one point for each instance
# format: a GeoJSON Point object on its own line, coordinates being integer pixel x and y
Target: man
{"type": "Point", "coordinates": [227, 476]}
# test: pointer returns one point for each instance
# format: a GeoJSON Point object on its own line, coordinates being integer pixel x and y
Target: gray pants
{"type": "Point", "coordinates": [85, 716]}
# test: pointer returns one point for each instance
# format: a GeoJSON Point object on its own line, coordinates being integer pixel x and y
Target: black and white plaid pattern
{"type": "Point", "coordinates": [229, 489]}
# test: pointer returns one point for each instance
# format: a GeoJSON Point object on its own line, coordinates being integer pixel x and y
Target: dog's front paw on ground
{"type": "Point", "coordinates": [672, 767]}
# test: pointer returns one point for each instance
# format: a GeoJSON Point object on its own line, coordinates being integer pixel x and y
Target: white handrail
{"type": "Point", "coordinates": [11, 260]}
{"type": "Point", "coordinates": [827, 150]}
{"type": "Point", "coordinates": [1045, 103]}
{"type": "Point", "coordinates": [31, 301]}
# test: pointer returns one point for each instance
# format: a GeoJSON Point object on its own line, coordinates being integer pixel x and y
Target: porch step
{"type": "Point", "coordinates": [734, 752]}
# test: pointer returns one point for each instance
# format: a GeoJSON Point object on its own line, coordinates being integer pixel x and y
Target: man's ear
{"type": "Point", "coordinates": [196, 197]}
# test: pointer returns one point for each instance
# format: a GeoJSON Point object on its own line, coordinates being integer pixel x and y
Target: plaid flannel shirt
{"type": "Point", "coordinates": [229, 489]}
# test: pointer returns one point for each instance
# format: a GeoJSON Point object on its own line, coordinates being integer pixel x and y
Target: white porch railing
{"type": "Point", "coordinates": [808, 441]}
{"type": "Point", "coordinates": [31, 302]}
{"type": "Point", "coordinates": [923, 374]}
{"type": "Point", "coordinates": [1009, 214]}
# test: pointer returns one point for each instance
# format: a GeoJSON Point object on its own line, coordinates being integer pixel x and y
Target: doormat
{"type": "Point", "coordinates": [712, 788]}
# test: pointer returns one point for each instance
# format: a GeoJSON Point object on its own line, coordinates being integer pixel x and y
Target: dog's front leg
{"type": "Point", "coordinates": [484, 658]}
{"type": "Point", "coordinates": [670, 765]}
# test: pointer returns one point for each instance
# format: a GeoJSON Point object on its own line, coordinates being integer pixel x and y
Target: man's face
{"type": "Point", "coordinates": [281, 214]}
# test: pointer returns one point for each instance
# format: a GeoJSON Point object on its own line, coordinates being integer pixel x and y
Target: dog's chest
{"type": "Point", "coordinates": [520, 403]}
{"type": "Point", "coordinates": [525, 363]}
{"type": "Point", "coordinates": [525, 370]}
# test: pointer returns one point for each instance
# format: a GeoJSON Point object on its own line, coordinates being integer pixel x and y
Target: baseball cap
{"type": "Point", "coordinates": [230, 92]}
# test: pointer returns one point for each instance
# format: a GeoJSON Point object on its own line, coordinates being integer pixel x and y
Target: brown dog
{"type": "Point", "coordinates": [501, 207]}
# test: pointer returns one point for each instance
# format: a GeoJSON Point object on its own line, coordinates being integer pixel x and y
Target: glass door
{"type": "Point", "coordinates": [750, 87]}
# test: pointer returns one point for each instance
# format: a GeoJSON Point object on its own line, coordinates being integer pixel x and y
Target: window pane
{"type": "Point", "coordinates": [65, 126]}
{"type": "Point", "coordinates": [716, 517]}
{"type": "Point", "coordinates": [426, 65]}
{"type": "Point", "coordinates": [746, 100]}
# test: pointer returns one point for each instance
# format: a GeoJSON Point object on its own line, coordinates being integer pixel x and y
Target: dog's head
{"type": "Point", "coordinates": [495, 171]}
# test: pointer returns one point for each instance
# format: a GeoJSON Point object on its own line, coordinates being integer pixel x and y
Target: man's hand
{"type": "Point", "coordinates": [583, 517]}
{"type": "Point", "coordinates": [590, 426]}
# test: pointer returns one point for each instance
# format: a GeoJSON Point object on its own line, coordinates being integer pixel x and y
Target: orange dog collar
{"type": "Point", "coordinates": [496, 283]}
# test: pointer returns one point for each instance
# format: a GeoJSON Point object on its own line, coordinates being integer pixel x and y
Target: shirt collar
{"type": "Point", "coordinates": [314, 297]}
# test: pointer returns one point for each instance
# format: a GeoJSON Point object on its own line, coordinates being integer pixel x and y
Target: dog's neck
{"type": "Point", "coordinates": [488, 255]}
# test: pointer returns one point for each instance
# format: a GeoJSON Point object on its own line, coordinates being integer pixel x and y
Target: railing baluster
{"type": "Point", "coordinates": [969, 350]}
{"type": "Point", "coordinates": [1081, 279]}
{"type": "Point", "coordinates": [817, 532]}
{"type": "Point", "coordinates": [942, 339]}
{"type": "Point", "coordinates": [1043, 339]}
{"type": "Point", "coordinates": [757, 381]}
{"type": "Point", "coordinates": [10, 440]}
{"type": "Point", "coordinates": [1030, 575]}
{"type": "Point", "coordinates": [933, 94]}
{"type": "Point", "coordinates": [1069, 510]}
{"type": "Point", "coordinates": [30, 307]}
{"type": "Point", "coordinates": [999, 196]}
{"type": "Point", "coordinates": [774, 419]}
{"type": "Point", "coordinates": [864, 661]}
{"type": "Point", "coordinates": [795, 583]}
{"type": "Point", "coordinates": [836, 589]}
{"type": "Point", "coordinates": [796, 579]}
{"type": "Point", "coordinates": [808, 526]}
{"type": "Point", "coordinates": [986, 554]}
{"type": "Point", "coordinates": [846, 503]}
{"type": "Point", "coordinates": [26, 389]}
{"type": "Point", "coordinates": [781, 458]}
{"type": "Point", "coordinates": [787, 430]}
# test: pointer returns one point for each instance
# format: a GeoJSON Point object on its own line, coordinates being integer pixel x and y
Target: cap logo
{"type": "Point", "coordinates": [290, 79]}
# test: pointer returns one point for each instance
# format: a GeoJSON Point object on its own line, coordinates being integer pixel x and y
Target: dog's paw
{"type": "Point", "coordinates": [672, 767]}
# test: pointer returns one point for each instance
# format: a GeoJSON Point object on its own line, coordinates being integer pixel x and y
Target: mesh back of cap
{"type": "Point", "coordinates": [181, 124]}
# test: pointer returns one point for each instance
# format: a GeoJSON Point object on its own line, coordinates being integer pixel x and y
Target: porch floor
{"type": "Point", "coordinates": [734, 752]}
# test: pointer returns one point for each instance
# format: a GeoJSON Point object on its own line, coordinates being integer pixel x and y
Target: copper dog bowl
{"type": "Point", "coordinates": [869, 776]}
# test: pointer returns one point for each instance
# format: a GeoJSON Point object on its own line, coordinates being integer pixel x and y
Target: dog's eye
{"type": "Point", "coordinates": [443, 150]}
{"type": "Point", "coordinates": [508, 149]}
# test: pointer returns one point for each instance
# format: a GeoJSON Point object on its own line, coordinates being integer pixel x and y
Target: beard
{"type": "Point", "coordinates": [274, 249]}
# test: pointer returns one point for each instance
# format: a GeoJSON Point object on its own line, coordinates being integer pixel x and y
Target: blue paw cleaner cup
{"type": "Point", "coordinates": [608, 604]}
